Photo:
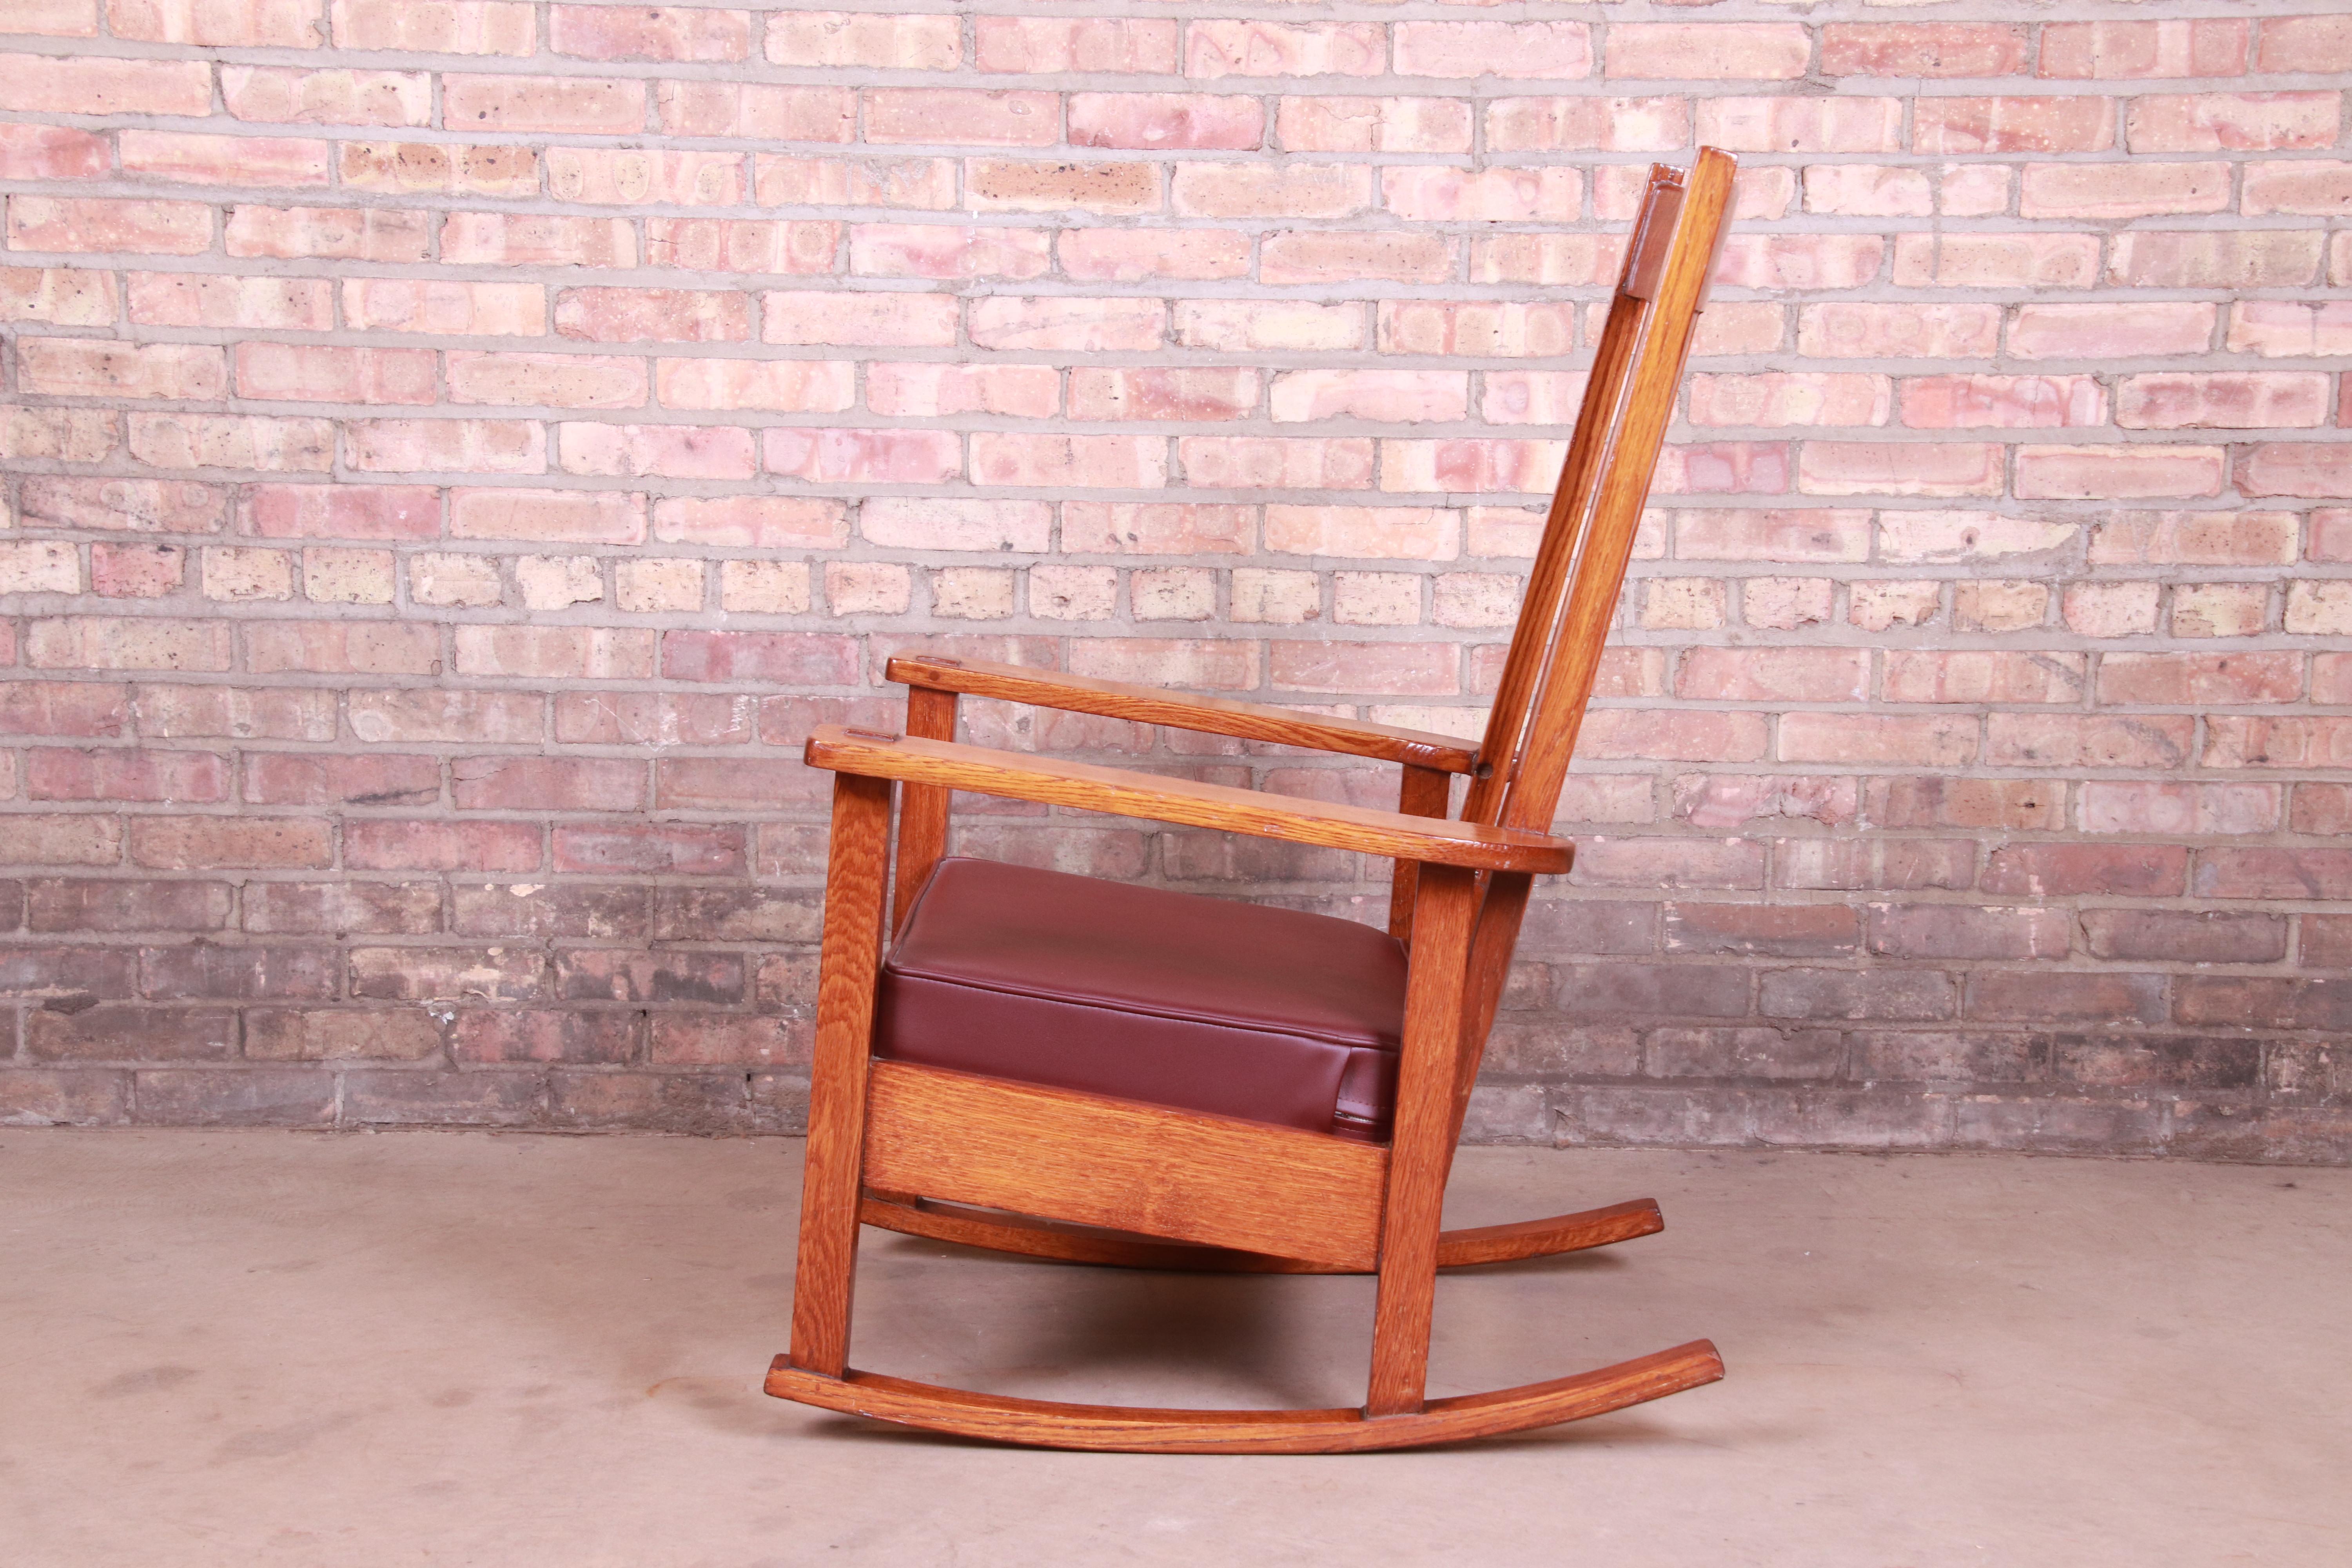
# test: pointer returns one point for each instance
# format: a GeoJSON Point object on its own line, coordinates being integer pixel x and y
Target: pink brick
{"type": "Point", "coordinates": [1157, 120]}
{"type": "Point", "coordinates": [2233, 741]}
{"type": "Point", "coordinates": [925, 523]}
{"type": "Point", "coordinates": [649, 33]}
{"type": "Point", "coordinates": [1214, 49]}
{"type": "Point", "coordinates": [2200, 538]}
{"type": "Point", "coordinates": [1470, 465]}
{"type": "Point", "coordinates": [1132, 255]}
{"type": "Point", "coordinates": [135, 506]}
{"type": "Point", "coordinates": [2311, 43]}
{"type": "Point", "coordinates": [2205, 680]}
{"type": "Point", "coordinates": [879, 321]}
{"type": "Point", "coordinates": [1558, 260]}
{"type": "Point", "coordinates": [438, 307]}
{"type": "Point", "coordinates": [1326, 256]}
{"type": "Point", "coordinates": [1531, 396]}
{"type": "Point", "coordinates": [136, 571]}
{"type": "Point", "coordinates": [449, 27]}
{"type": "Point", "coordinates": [93, 367]}
{"type": "Point", "coordinates": [1323, 123]}
{"type": "Point", "coordinates": [788, 385]}
{"type": "Point", "coordinates": [317, 372]}
{"type": "Point", "coordinates": [1774, 675]}
{"type": "Point", "coordinates": [340, 511]}
{"type": "Point", "coordinates": [2318, 470]}
{"type": "Point", "coordinates": [1283, 190]}
{"type": "Point", "coordinates": [609, 176]}
{"type": "Point", "coordinates": [1872, 738]}
{"type": "Point", "coordinates": [2074, 124]}
{"type": "Point", "coordinates": [1111, 528]}
{"type": "Point", "coordinates": [1404, 533]}
{"type": "Point", "coordinates": [1677, 50]}
{"type": "Point", "coordinates": [1809, 262]}
{"type": "Point", "coordinates": [59, 296]}
{"type": "Point", "coordinates": [2258, 259]}
{"type": "Point", "coordinates": [840, 455]}
{"type": "Point", "coordinates": [248, 23]}
{"type": "Point", "coordinates": [1997, 260]}
{"type": "Point", "coordinates": [98, 224]}
{"type": "Point", "coordinates": [2230, 400]}
{"type": "Point", "coordinates": [2123, 51]}
{"type": "Point", "coordinates": [1501, 328]}
{"type": "Point", "coordinates": [960, 116]}
{"type": "Point", "coordinates": [740, 245]}
{"type": "Point", "coordinates": [765, 522]}
{"type": "Point", "coordinates": [342, 234]}
{"type": "Point", "coordinates": [496, 239]}
{"type": "Point", "coordinates": [1486, 196]}
{"type": "Point", "coordinates": [1903, 469]}
{"type": "Point", "coordinates": [56, 19]}
{"type": "Point", "coordinates": [1857, 330]}
{"type": "Point", "coordinates": [2123, 190]}
{"type": "Point", "coordinates": [571, 517]}
{"type": "Point", "coordinates": [521, 103]}
{"type": "Point", "coordinates": [1264, 462]}
{"type": "Point", "coordinates": [994, 184]}
{"type": "Point", "coordinates": [478, 446]}
{"type": "Point", "coordinates": [1162, 393]}
{"type": "Point", "coordinates": [656, 315]}
{"type": "Point", "coordinates": [1561, 125]}
{"type": "Point", "coordinates": [1040, 46]}
{"type": "Point", "coordinates": [2233, 122]}
{"type": "Point", "coordinates": [864, 39]}
{"type": "Point", "coordinates": [1020, 391]}
{"type": "Point", "coordinates": [1375, 669]}
{"type": "Point", "coordinates": [411, 167]}
{"type": "Point", "coordinates": [1743, 534]}
{"type": "Point", "coordinates": [423, 846]}
{"type": "Point", "coordinates": [1507, 49]}
{"type": "Point", "coordinates": [2289, 328]}
{"type": "Point", "coordinates": [939, 251]}
{"type": "Point", "coordinates": [554, 653]}
{"type": "Point", "coordinates": [194, 300]}
{"type": "Point", "coordinates": [670, 451]}
{"type": "Point", "coordinates": [1384, 396]}
{"type": "Point", "coordinates": [2119, 473]}
{"type": "Point", "coordinates": [1861, 190]}
{"type": "Point", "coordinates": [50, 153]}
{"type": "Point", "coordinates": [560, 382]}
{"type": "Point", "coordinates": [2108, 332]}
{"type": "Point", "coordinates": [1923, 49]}
{"type": "Point", "coordinates": [1061, 324]}
{"type": "Point", "coordinates": [41, 84]}
{"type": "Point", "coordinates": [181, 158]}
{"type": "Point", "coordinates": [1781, 398]}
{"type": "Point", "coordinates": [1720, 467]}
{"type": "Point", "coordinates": [2007, 401]}
{"type": "Point", "coordinates": [2312, 188]}
{"type": "Point", "coordinates": [1802, 124]}
{"type": "Point", "coordinates": [295, 96]}
{"type": "Point", "coordinates": [1980, 676]}
{"type": "Point", "coordinates": [757, 110]}
{"type": "Point", "coordinates": [1088, 462]}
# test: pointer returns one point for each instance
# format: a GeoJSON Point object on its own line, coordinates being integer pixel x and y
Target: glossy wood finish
{"type": "Point", "coordinates": [1118, 1429]}
{"type": "Point", "coordinates": [1425, 792]}
{"type": "Point", "coordinates": [1059, 1242]}
{"type": "Point", "coordinates": [1149, 1169]}
{"type": "Point", "coordinates": [1421, 1144]}
{"type": "Point", "coordinates": [923, 808]}
{"type": "Point", "coordinates": [1081, 1178]}
{"type": "Point", "coordinates": [1016, 776]}
{"type": "Point", "coordinates": [1181, 710]}
{"type": "Point", "coordinates": [849, 959]}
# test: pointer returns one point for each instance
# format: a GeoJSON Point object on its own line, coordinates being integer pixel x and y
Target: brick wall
{"type": "Point", "coordinates": [454, 450]}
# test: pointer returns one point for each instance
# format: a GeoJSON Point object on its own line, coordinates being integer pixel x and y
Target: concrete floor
{"type": "Point", "coordinates": [463, 1349]}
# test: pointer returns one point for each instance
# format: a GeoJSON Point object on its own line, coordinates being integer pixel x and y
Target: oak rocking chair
{"type": "Point", "coordinates": [1097, 1072]}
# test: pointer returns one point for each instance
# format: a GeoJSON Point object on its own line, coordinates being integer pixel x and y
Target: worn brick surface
{"type": "Point", "coordinates": [450, 455]}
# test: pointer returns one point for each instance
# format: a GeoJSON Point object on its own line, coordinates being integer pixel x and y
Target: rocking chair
{"type": "Point", "coordinates": [1097, 1072]}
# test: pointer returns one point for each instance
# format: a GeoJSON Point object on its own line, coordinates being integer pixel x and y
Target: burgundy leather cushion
{"type": "Point", "coordinates": [1203, 1003]}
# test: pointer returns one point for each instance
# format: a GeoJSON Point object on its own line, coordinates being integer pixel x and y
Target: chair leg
{"type": "Point", "coordinates": [1445, 901]}
{"type": "Point", "coordinates": [825, 1270]}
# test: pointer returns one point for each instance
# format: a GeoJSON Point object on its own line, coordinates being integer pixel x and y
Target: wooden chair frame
{"type": "Point", "coordinates": [1086, 1178]}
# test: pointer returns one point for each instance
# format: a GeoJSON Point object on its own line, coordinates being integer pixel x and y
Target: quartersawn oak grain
{"type": "Point", "coordinates": [1332, 823]}
{"type": "Point", "coordinates": [1181, 710]}
{"type": "Point", "coordinates": [1083, 1178]}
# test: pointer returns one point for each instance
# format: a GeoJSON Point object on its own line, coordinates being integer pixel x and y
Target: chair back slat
{"type": "Point", "coordinates": [1580, 567]}
{"type": "Point", "coordinates": [1668, 318]}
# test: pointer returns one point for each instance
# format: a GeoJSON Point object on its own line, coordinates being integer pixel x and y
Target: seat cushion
{"type": "Point", "coordinates": [1202, 1004]}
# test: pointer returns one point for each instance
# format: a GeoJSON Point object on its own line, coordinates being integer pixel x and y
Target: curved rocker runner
{"type": "Point", "coordinates": [1096, 1072]}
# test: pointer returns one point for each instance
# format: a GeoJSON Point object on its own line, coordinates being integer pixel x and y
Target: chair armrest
{"type": "Point", "coordinates": [1185, 802]}
{"type": "Point", "coordinates": [1181, 710]}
